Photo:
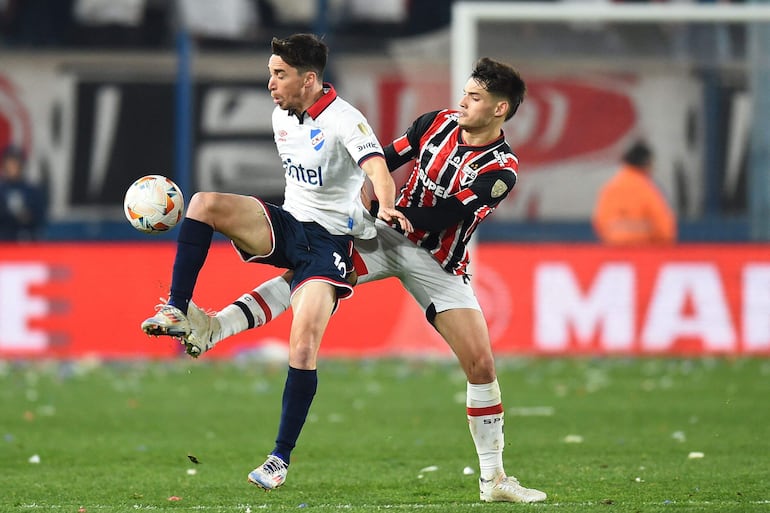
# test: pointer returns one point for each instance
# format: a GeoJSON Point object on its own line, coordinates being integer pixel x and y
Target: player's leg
{"type": "Point", "coordinates": [372, 261]}
{"type": "Point", "coordinates": [321, 267]}
{"type": "Point", "coordinates": [251, 310]}
{"type": "Point", "coordinates": [312, 304]}
{"type": "Point", "coordinates": [240, 218]}
{"type": "Point", "coordinates": [465, 330]}
{"type": "Point", "coordinates": [451, 306]}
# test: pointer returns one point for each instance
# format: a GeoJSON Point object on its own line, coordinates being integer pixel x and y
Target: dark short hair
{"type": "Point", "coordinates": [638, 155]}
{"type": "Point", "coordinates": [500, 80]}
{"type": "Point", "coordinates": [306, 52]}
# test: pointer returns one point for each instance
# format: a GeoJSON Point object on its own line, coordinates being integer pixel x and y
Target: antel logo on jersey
{"type": "Point", "coordinates": [303, 174]}
{"type": "Point", "coordinates": [317, 138]}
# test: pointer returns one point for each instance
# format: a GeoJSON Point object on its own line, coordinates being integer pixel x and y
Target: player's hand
{"type": "Point", "coordinates": [391, 215]}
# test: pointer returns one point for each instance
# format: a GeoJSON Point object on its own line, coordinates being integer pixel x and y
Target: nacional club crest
{"type": "Point", "coordinates": [317, 138]}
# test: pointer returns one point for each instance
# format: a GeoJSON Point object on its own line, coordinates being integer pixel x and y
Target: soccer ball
{"type": "Point", "coordinates": [153, 204]}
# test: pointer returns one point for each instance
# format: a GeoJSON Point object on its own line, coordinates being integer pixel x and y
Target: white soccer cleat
{"type": "Point", "coordinates": [168, 320]}
{"type": "Point", "coordinates": [205, 331]}
{"type": "Point", "coordinates": [508, 489]}
{"type": "Point", "coordinates": [271, 474]}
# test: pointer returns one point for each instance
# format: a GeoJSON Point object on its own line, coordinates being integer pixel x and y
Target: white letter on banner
{"type": "Point", "coordinates": [666, 320]}
{"type": "Point", "coordinates": [17, 307]}
{"type": "Point", "coordinates": [756, 308]}
{"type": "Point", "coordinates": [559, 304]}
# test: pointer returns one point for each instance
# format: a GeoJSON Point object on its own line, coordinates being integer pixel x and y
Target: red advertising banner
{"type": "Point", "coordinates": [74, 300]}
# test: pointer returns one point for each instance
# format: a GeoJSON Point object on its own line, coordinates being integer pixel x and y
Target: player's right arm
{"type": "Point", "coordinates": [405, 148]}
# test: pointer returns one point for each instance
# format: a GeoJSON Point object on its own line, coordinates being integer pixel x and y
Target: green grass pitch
{"type": "Point", "coordinates": [605, 434]}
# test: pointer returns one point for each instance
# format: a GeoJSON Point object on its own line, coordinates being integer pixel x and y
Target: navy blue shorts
{"type": "Point", "coordinates": [308, 249]}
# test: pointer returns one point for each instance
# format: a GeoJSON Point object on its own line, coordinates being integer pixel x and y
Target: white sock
{"type": "Point", "coordinates": [266, 302]}
{"type": "Point", "coordinates": [485, 419]}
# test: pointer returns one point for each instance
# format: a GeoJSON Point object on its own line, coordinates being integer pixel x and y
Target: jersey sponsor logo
{"type": "Point", "coordinates": [369, 145]}
{"type": "Point", "coordinates": [303, 174]}
{"type": "Point", "coordinates": [437, 190]}
{"type": "Point", "coordinates": [317, 138]}
{"type": "Point", "coordinates": [499, 188]}
{"type": "Point", "coordinates": [502, 158]}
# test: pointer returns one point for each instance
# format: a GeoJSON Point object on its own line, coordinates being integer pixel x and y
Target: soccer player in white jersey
{"type": "Point", "coordinates": [462, 169]}
{"type": "Point", "coordinates": [326, 147]}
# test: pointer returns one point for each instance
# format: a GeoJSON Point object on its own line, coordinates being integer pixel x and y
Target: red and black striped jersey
{"type": "Point", "coordinates": [452, 187]}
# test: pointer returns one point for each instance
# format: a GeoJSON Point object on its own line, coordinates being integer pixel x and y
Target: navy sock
{"type": "Point", "coordinates": [192, 246]}
{"type": "Point", "coordinates": [298, 394]}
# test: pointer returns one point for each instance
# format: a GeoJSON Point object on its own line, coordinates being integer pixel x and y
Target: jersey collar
{"type": "Point", "coordinates": [324, 101]}
{"type": "Point", "coordinates": [315, 110]}
{"type": "Point", "coordinates": [491, 144]}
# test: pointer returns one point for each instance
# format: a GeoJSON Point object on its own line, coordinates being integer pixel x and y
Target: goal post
{"type": "Point", "coordinates": [467, 15]}
{"type": "Point", "coordinates": [475, 21]}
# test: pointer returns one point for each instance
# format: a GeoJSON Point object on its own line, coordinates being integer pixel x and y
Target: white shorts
{"type": "Point", "coordinates": [390, 254]}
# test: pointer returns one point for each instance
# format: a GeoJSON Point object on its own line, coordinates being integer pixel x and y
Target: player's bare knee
{"type": "Point", "coordinates": [303, 356]}
{"type": "Point", "coordinates": [480, 369]}
{"type": "Point", "coordinates": [202, 206]}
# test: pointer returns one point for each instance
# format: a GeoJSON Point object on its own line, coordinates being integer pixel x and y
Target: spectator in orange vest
{"type": "Point", "coordinates": [631, 209]}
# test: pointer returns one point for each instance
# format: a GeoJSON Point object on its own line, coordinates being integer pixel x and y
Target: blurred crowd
{"type": "Point", "coordinates": [151, 24]}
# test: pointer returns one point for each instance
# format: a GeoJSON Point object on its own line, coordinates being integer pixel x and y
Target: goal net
{"type": "Point", "coordinates": [693, 80]}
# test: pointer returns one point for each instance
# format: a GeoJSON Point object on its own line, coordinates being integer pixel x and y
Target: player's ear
{"type": "Point", "coordinates": [501, 109]}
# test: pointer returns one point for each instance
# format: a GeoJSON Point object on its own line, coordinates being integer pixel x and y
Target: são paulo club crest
{"type": "Point", "coordinates": [14, 118]}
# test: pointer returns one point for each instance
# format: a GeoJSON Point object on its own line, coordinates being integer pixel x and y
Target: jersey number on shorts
{"type": "Point", "coordinates": [339, 264]}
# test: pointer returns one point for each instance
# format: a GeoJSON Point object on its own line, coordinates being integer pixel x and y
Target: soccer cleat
{"type": "Point", "coordinates": [271, 474]}
{"type": "Point", "coordinates": [168, 320]}
{"type": "Point", "coordinates": [204, 333]}
{"type": "Point", "coordinates": [508, 489]}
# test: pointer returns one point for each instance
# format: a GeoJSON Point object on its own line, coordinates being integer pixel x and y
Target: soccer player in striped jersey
{"type": "Point", "coordinates": [327, 150]}
{"type": "Point", "coordinates": [462, 169]}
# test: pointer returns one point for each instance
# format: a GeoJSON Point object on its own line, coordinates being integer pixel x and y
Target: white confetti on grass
{"type": "Point", "coordinates": [679, 436]}
{"type": "Point", "coordinates": [429, 468]}
{"type": "Point", "coordinates": [694, 455]}
{"type": "Point", "coordinates": [468, 471]}
{"type": "Point", "coordinates": [573, 439]}
{"type": "Point", "coordinates": [34, 459]}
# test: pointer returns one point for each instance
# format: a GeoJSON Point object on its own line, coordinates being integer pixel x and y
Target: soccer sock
{"type": "Point", "coordinates": [192, 247]}
{"type": "Point", "coordinates": [258, 307]}
{"type": "Point", "coordinates": [485, 419]}
{"type": "Point", "coordinates": [298, 394]}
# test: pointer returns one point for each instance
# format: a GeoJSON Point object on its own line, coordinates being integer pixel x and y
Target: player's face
{"type": "Point", "coordinates": [286, 85]}
{"type": "Point", "coordinates": [478, 108]}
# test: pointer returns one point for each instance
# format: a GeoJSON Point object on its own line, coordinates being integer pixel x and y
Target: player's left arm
{"type": "Point", "coordinates": [488, 190]}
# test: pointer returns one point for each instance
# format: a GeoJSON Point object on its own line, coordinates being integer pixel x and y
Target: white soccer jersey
{"type": "Point", "coordinates": [322, 150]}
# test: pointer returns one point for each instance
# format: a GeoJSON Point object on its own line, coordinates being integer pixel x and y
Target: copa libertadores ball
{"type": "Point", "coordinates": [153, 204]}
